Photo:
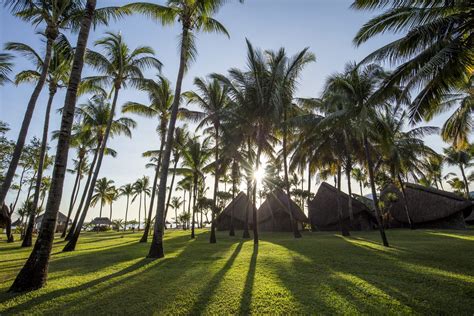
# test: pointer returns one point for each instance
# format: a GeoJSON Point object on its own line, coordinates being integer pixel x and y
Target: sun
{"type": "Point", "coordinates": [259, 174]}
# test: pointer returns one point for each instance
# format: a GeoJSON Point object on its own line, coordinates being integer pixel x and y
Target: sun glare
{"type": "Point", "coordinates": [259, 174]}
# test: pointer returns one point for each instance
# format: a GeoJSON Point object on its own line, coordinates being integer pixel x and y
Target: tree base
{"type": "Point", "coordinates": [246, 234]}
{"type": "Point", "coordinates": [156, 251]}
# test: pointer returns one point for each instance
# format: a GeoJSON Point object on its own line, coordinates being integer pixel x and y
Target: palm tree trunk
{"type": "Point", "coordinates": [153, 192]}
{"type": "Point", "coordinates": [84, 193]}
{"type": "Point", "coordinates": [170, 191]}
{"type": "Point", "coordinates": [19, 189]}
{"type": "Point", "coordinates": [8, 223]}
{"type": "Point", "coordinates": [28, 240]}
{"type": "Point", "coordinates": [20, 143]}
{"type": "Point", "coordinates": [349, 189]}
{"type": "Point", "coordinates": [126, 214]}
{"type": "Point", "coordinates": [71, 245]}
{"type": "Point", "coordinates": [313, 227]}
{"type": "Point", "coordinates": [246, 233]}
{"type": "Point", "coordinates": [139, 209]}
{"type": "Point", "coordinates": [71, 202]}
{"type": "Point", "coordinates": [234, 191]}
{"type": "Point", "coordinates": [360, 186]}
{"type": "Point", "coordinates": [189, 206]}
{"type": "Point", "coordinates": [195, 183]}
{"type": "Point", "coordinates": [374, 193]}
{"type": "Point", "coordinates": [255, 226]}
{"type": "Point", "coordinates": [466, 184]}
{"type": "Point", "coordinates": [405, 201]}
{"type": "Point", "coordinates": [212, 238]}
{"type": "Point", "coordinates": [156, 247]}
{"type": "Point", "coordinates": [111, 210]}
{"type": "Point", "coordinates": [34, 273]}
{"type": "Point", "coordinates": [342, 225]}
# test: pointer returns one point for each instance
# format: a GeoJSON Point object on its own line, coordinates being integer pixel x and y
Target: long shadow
{"type": "Point", "coordinates": [246, 299]}
{"type": "Point", "coordinates": [211, 287]}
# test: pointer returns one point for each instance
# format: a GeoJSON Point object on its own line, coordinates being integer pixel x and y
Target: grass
{"type": "Point", "coordinates": [425, 272]}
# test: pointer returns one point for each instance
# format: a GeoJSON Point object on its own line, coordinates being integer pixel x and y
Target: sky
{"type": "Point", "coordinates": [327, 27]}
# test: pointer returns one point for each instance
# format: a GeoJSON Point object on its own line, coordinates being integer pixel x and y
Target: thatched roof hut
{"type": "Point", "coordinates": [101, 221]}
{"type": "Point", "coordinates": [428, 207]}
{"type": "Point", "coordinates": [274, 215]}
{"type": "Point", "coordinates": [60, 223]}
{"type": "Point", "coordinates": [239, 207]}
{"type": "Point", "coordinates": [323, 211]}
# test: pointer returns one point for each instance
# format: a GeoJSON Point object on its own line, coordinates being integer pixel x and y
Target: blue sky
{"type": "Point", "coordinates": [326, 26]}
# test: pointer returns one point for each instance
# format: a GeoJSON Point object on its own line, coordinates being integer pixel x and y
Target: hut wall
{"type": "Point", "coordinates": [279, 223]}
{"type": "Point", "coordinates": [223, 223]}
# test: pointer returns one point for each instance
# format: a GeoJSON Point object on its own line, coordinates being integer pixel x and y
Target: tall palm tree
{"type": "Point", "coordinates": [6, 66]}
{"type": "Point", "coordinates": [33, 275]}
{"type": "Point", "coordinates": [120, 67]}
{"type": "Point", "coordinates": [57, 76]}
{"type": "Point", "coordinates": [193, 16]}
{"type": "Point", "coordinates": [360, 177]}
{"type": "Point", "coordinates": [435, 51]}
{"type": "Point", "coordinates": [161, 98]}
{"type": "Point", "coordinates": [212, 98]}
{"type": "Point", "coordinates": [196, 155]}
{"type": "Point", "coordinates": [126, 190]}
{"type": "Point", "coordinates": [103, 192]}
{"type": "Point", "coordinates": [462, 159]}
{"type": "Point", "coordinates": [141, 188]}
{"type": "Point", "coordinates": [176, 204]}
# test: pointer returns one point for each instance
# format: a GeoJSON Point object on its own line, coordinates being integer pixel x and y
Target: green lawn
{"type": "Point", "coordinates": [425, 272]}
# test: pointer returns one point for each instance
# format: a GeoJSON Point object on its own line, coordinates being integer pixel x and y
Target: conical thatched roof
{"type": "Point", "coordinates": [323, 208]}
{"type": "Point", "coordinates": [61, 218]}
{"type": "Point", "coordinates": [101, 221]}
{"type": "Point", "coordinates": [277, 201]}
{"type": "Point", "coordinates": [426, 204]}
{"type": "Point", "coordinates": [239, 206]}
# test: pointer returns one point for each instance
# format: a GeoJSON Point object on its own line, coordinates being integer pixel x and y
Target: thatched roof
{"type": "Point", "coordinates": [426, 204]}
{"type": "Point", "coordinates": [323, 208]}
{"type": "Point", "coordinates": [101, 221]}
{"type": "Point", "coordinates": [277, 201]}
{"type": "Point", "coordinates": [239, 205]}
{"type": "Point", "coordinates": [61, 218]}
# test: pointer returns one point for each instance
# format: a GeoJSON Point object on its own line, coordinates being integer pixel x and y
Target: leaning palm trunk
{"type": "Point", "coordinates": [19, 189]}
{"type": "Point", "coordinates": [73, 195]}
{"type": "Point", "coordinates": [170, 191]}
{"type": "Point", "coordinates": [405, 201]}
{"type": "Point", "coordinates": [344, 230]}
{"type": "Point", "coordinates": [212, 238]}
{"type": "Point", "coordinates": [374, 193]}
{"type": "Point", "coordinates": [20, 143]}
{"type": "Point", "coordinates": [84, 193]}
{"type": "Point", "coordinates": [293, 224]}
{"type": "Point", "coordinates": [466, 183]}
{"type": "Point", "coordinates": [34, 273]}
{"type": "Point", "coordinates": [126, 214]}
{"type": "Point", "coordinates": [28, 240]}
{"type": "Point", "coordinates": [71, 245]}
{"type": "Point", "coordinates": [156, 248]}
{"type": "Point", "coordinates": [153, 193]}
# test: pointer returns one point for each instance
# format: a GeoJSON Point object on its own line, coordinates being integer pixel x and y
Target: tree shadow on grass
{"type": "Point", "coordinates": [201, 302]}
{"type": "Point", "coordinates": [246, 299]}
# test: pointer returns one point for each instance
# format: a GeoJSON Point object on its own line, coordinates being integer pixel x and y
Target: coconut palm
{"type": "Point", "coordinates": [435, 50]}
{"type": "Point", "coordinates": [57, 76]}
{"type": "Point", "coordinates": [6, 66]}
{"type": "Point", "coordinates": [120, 67]}
{"type": "Point", "coordinates": [94, 116]}
{"type": "Point", "coordinates": [33, 275]}
{"type": "Point", "coordinates": [141, 189]}
{"type": "Point", "coordinates": [126, 190]}
{"type": "Point", "coordinates": [103, 193]}
{"type": "Point", "coordinates": [194, 16]}
{"type": "Point", "coordinates": [462, 159]}
{"type": "Point", "coordinates": [211, 97]}
{"type": "Point", "coordinates": [360, 177]}
{"type": "Point", "coordinates": [161, 98]}
{"type": "Point", "coordinates": [196, 155]}
{"type": "Point", "coordinates": [176, 204]}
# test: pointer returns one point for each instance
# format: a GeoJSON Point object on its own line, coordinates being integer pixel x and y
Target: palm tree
{"type": "Point", "coordinates": [176, 204]}
{"type": "Point", "coordinates": [104, 191]}
{"type": "Point", "coordinates": [195, 157]}
{"type": "Point", "coordinates": [120, 67]}
{"type": "Point", "coordinates": [194, 16]}
{"type": "Point", "coordinates": [141, 189]}
{"type": "Point", "coordinates": [126, 190]}
{"type": "Point", "coordinates": [462, 159]}
{"type": "Point", "coordinates": [57, 76]}
{"type": "Point", "coordinates": [94, 116]}
{"type": "Point", "coordinates": [161, 98]}
{"type": "Point", "coordinates": [211, 96]}
{"type": "Point", "coordinates": [435, 50]}
{"type": "Point", "coordinates": [33, 275]}
{"type": "Point", "coordinates": [6, 66]}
